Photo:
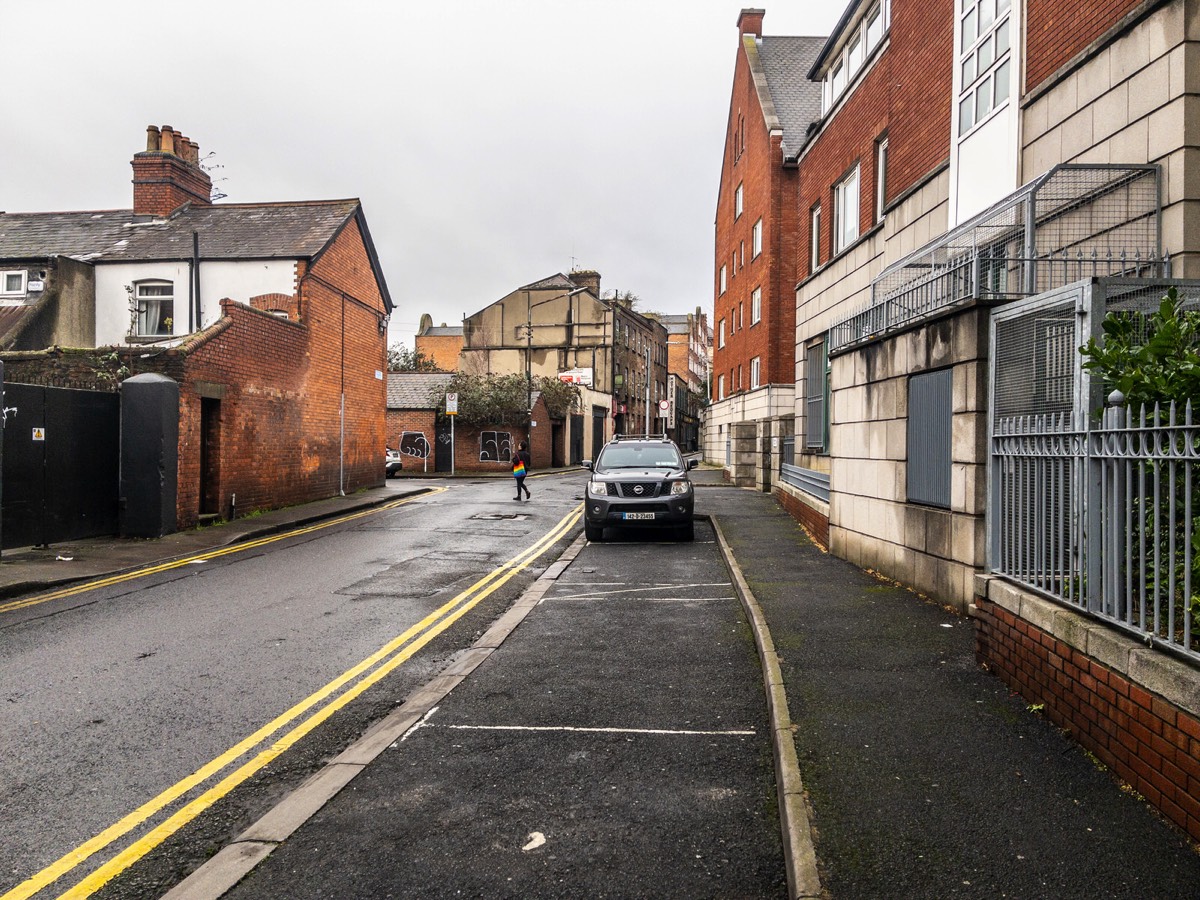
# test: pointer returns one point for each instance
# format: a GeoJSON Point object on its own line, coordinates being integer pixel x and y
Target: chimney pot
{"type": "Point", "coordinates": [168, 174]}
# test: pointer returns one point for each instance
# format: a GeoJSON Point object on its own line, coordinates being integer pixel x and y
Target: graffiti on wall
{"type": "Point", "coordinates": [495, 446]}
{"type": "Point", "coordinates": [414, 443]}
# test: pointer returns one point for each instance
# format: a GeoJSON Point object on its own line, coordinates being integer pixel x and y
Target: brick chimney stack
{"type": "Point", "coordinates": [587, 278]}
{"type": "Point", "coordinates": [167, 174]}
{"type": "Point", "coordinates": [750, 22]}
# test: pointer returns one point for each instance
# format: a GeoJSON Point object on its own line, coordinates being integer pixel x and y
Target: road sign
{"type": "Point", "coordinates": [664, 405]}
{"type": "Point", "coordinates": [452, 404]}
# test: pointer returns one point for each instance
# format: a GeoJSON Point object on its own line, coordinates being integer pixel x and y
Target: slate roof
{"type": "Point", "coordinates": [676, 324]}
{"type": "Point", "coordinates": [226, 231]}
{"type": "Point", "coordinates": [443, 331]}
{"type": "Point", "coordinates": [411, 390]}
{"type": "Point", "coordinates": [786, 62]}
{"type": "Point", "coordinates": [554, 281]}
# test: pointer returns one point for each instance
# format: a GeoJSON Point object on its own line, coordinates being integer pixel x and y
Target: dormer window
{"type": "Point", "coordinates": [155, 308]}
{"type": "Point", "coordinates": [12, 283]}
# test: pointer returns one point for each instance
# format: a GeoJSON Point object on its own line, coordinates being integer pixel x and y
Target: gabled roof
{"type": "Point", "coordinates": [226, 231]}
{"type": "Point", "coordinates": [411, 390]}
{"type": "Point", "coordinates": [779, 66]}
{"type": "Point", "coordinates": [558, 280]}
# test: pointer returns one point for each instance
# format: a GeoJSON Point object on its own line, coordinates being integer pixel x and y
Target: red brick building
{"type": "Point", "coordinates": [424, 438]}
{"type": "Point", "coordinates": [756, 230]}
{"type": "Point", "coordinates": [961, 146]}
{"type": "Point", "coordinates": [271, 317]}
{"type": "Point", "coordinates": [440, 343]}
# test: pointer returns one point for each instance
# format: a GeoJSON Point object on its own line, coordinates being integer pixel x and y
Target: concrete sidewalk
{"type": "Point", "coordinates": [925, 776]}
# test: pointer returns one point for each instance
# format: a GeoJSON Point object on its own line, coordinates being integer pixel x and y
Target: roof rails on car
{"type": "Point", "coordinates": [639, 437]}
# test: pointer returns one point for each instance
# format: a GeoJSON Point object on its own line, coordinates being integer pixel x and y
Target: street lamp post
{"type": "Point", "coordinates": [529, 341]}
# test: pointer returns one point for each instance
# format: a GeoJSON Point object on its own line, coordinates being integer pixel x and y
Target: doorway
{"type": "Point", "coordinates": [210, 456]}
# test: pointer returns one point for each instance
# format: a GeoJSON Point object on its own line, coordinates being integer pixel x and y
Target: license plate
{"type": "Point", "coordinates": [639, 515]}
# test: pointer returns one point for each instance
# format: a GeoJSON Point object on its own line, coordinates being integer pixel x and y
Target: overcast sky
{"type": "Point", "coordinates": [491, 143]}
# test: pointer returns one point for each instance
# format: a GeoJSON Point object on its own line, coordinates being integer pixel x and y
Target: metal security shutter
{"type": "Point", "coordinates": [816, 425]}
{"type": "Point", "coordinates": [930, 413]}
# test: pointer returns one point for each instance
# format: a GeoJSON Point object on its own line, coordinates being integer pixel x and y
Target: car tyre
{"type": "Point", "coordinates": [594, 533]}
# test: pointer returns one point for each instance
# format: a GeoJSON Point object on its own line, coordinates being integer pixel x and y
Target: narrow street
{"type": "Point", "coordinates": [130, 706]}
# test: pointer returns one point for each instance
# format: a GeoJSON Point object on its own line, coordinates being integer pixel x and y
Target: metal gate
{"type": "Point", "coordinates": [61, 465]}
{"type": "Point", "coordinates": [443, 448]}
{"type": "Point", "coordinates": [576, 440]}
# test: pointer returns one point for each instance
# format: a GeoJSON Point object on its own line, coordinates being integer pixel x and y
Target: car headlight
{"type": "Point", "coordinates": [680, 487]}
{"type": "Point", "coordinates": [598, 488]}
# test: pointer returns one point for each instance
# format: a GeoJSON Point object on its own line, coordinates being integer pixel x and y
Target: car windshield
{"type": "Point", "coordinates": [643, 457]}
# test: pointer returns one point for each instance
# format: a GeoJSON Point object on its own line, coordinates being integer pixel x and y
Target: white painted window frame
{"type": "Point", "coordinates": [22, 275]}
{"type": "Point", "coordinates": [846, 210]}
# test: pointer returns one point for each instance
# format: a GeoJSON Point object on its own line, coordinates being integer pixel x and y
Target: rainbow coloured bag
{"type": "Point", "coordinates": [518, 467]}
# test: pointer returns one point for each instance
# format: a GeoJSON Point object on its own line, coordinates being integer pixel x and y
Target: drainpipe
{"type": "Point", "coordinates": [342, 409]}
{"type": "Point", "coordinates": [195, 326]}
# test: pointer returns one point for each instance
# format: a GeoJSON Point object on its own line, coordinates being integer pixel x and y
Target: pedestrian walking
{"type": "Point", "coordinates": [522, 463]}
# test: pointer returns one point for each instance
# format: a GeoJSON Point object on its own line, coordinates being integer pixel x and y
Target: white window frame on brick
{"type": "Point", "coordinates": [881, 155]}
{"type": "Point", "coordinates": [741, 314]}
{"type": "Point", "coordinates": [154, 297]}
{"type": "Point", "coordinates": [860, 42]}
{"type": "Point", "coordinates": [13, 283]}
{"type": "Point", "coordinates": [756, 239]}
{"type": "Point", "coordinates": [720, 387]}
{"type": "Point", "coordinates": [721, 334]}
{"type": "Point", "coordinates": [19, 277]}
{"type": "Point", "coordinates": [845, 211]}
{"type": "Point", "coordinates": [814, 238]}
{"type": "Point", "coordinates": [723, 281]}
{"type": "Point", "coordinates": [984, 60]}
{"type": "Point", "coordinates": [755, 372]}
{"type": "Point", "coordinates": [738, 201]}
{"type": "Point", "coordinates": [756, 306]}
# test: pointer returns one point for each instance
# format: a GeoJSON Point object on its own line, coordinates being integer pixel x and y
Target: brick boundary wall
{"type": "Point", "coordinates": [1145, 738]}
{"type": "Point", "coordinates": [812, 519]}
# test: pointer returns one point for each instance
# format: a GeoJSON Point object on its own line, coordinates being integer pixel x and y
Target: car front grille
{"type": "Point", "coordinates": [638, 488]}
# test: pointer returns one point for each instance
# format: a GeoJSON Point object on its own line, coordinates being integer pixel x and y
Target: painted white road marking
{"type": "Point", "coordinates": [601, 730]}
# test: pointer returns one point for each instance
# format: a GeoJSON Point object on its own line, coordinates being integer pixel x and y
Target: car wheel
{"type": "Point", "coordinates": [594, 533]}
{"type": "Point", "coordinates": [687, 532]}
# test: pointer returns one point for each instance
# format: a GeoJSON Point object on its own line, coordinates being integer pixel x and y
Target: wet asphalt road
{"type": "Point", "coordinates": [615, 746]}
{"type": "Point", "coordinates": [114, 696]}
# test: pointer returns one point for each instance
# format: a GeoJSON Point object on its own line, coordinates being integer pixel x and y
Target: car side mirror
{"type": "Point", "coordinates": [692, 463]}
{"type": "Point", "coordinates": [586, 464]}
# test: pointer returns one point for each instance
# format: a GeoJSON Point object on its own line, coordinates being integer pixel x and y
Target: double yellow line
{"type": "Point", "coordinates": [311, 711]}
{"type": "Point", "coordinates": [205, 557]}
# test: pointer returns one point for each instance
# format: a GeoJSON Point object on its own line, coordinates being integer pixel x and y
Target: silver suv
{"type": "Point", "coordinates": [639, 482]}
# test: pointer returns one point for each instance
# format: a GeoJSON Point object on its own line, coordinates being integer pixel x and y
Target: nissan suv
{"type": "Point", "coordinates": [639, 482]}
